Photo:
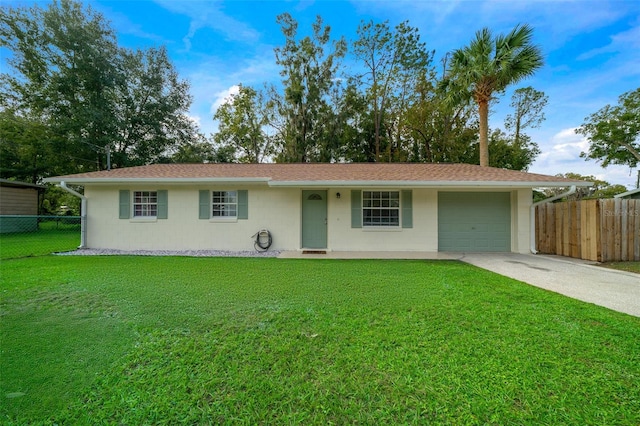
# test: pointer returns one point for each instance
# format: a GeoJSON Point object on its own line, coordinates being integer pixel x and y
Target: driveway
{"type": "Point", "coordinates": [617, 290]}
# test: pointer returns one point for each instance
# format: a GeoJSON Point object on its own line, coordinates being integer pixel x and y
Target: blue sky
{"type": "Point", "coordinates": [591, 49]}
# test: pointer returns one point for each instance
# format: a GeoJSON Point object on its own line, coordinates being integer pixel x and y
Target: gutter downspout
{"type": "Point", "coordinates": [532, 215]}
{"type": "Point", "coordinates": [83, 213]}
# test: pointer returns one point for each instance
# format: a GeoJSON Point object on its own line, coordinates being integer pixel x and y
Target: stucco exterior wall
{"type": "Point", "coordinates": [422, 237]}
{"type": "Point", "coordinates": [277, 209]}
{"type": "Point", "coordinates": [521, 201]}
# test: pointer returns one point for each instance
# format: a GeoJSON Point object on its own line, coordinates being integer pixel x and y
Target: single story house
{"type": "Point", "coordinates": [19, 203]}
{"type": "Point", "coordinates": [633, 194]}
{"type": "Point", "coordinates": [338, 207]}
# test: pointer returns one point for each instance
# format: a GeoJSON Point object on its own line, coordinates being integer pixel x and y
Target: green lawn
{"type": "Point", "coordinates": [50, 238]}
{"type": "Point", "coordinates": [623, 266]}
{"type": "Point", "coordinates": [153, 340]}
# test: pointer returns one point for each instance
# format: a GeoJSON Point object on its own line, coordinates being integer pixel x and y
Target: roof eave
{"type": "Point", "coordinates": [626, 194]}
{"type": "Point", "coordinates": [111, 181]}
{"type": "Point", "coordinates": [318, 183]}
{"type": "Point", "coordinates": [422, 184]}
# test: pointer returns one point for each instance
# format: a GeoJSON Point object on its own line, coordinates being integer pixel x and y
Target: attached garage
{"type": "Point", "coordinates": [474, 221]}
{"type": "Point", "coordinates": [332, 207]}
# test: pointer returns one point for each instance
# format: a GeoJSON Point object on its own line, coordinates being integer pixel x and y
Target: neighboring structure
{"type": "Point", "coordinates": [19, 206]}
{"type": "Point", "coordinates": [339, 207]}
{"type": "Point", "coordinates": [634, 194]}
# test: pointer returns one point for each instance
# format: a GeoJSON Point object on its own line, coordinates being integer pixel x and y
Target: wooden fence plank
{"type": "Point", "coordinates": [550, 216]}
{"type": "Point", "coordinates": [636, 230]}
{"type": "Point", "coordinates": [589, 230]}
{"type": "Point", "coordinates": [624, 230]}
{"type": "Point", "coordinates": [617, 228]}
{"type": "Point", "coordinates": [599, 230]}
{"type": "Point", "coordinates": [576, 249]}
{"type": "Point", "coordinates": [564, 207]}
{"type": "Point", "coordinates": [607, 229]}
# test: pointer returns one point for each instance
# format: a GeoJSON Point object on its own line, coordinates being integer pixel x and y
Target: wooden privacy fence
{"type": "Point", "coordinates": [600, 230]}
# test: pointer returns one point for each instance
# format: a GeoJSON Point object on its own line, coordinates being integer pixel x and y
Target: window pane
{"type": "Point", "coordinates": [145, 203]}
{"type": "Point", "coordinates": [381, 208]}
{"type": "Point", "coordinates": [224, 204]}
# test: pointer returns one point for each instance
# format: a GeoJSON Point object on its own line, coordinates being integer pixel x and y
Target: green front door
{"type": "Point", "coordinates": [314, 219]}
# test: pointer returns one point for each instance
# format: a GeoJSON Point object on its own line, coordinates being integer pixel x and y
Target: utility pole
{"type": "Point", "coordinates": [108, 151]}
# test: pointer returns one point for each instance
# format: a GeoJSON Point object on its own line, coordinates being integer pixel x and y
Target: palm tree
{"type": "Point", "coordinates": [488, 65]}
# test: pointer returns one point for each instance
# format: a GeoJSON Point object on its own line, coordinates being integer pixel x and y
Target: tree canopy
{"type": "Point", "coordinates": [71, 94]}
{"type": "Point", "coordinates": [599, 189]}
{"type": "Point", "coordinates": [613, 132]}
{"type": "Point", "coordinates": [487, 66]}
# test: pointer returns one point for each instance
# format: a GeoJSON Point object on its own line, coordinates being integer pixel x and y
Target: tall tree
{"type": "Point", "coordinates": [241, 126]}
{"type": "Point", "coordinates": [528, 111]}
{"type": "Point", "coordinates": [63, 68]}
{"type": "Point", "coordinates": [25, 153]}
{"type": "Point", "coordinates": [151, 111]}
{"type": "Point", "coordinates": [309, 68]}
{"type": "Point", "coordinates": [614, 132]}
{"type": "Point", "coordinates": [439, 131]}
{"type": "Point", "coordinates": [506, 153]}
{"type": "Point", "coordinates": [487, 66]}
{"type": "Point", "coordinates": [67, 69]}
{"type": "Point", "coordinates": [394, 61]}
{"type": "Point", "coordinates": [599, 189]}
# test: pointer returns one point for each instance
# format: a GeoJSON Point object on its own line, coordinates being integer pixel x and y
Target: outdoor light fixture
{"type": "Point", "coordinates": [338, 195]}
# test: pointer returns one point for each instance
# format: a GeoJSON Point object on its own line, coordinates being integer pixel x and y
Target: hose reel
{"type": "Point", "coordinates": [262, 240]}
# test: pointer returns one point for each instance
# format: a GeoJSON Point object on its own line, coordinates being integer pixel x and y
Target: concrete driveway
{"type": "Point", "coordinates": [578, 279]}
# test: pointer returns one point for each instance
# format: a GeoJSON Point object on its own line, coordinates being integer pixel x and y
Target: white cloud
{"type": "Point", "coordinates": [208, 15]}
{"type": "Point", "coordinates": [194, 118]}
{"type": "Point", "coordinates": [563, 156]}
{"type": "Point", "coordinates": [566, 146]}
{"type": "Point", "coordinates": [224, 97]}
{"type": "Point", "coordinates": [124, 25]}
{"type": "Point", "coordinates": [621, 42]}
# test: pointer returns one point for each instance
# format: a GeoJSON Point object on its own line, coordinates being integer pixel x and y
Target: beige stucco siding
{"type": "Point", "coordinates": [521, 201]}
{"type": "Point", "coordinates": [183, 230]}
{"type": "Point", "coordinates": [423, 236]}
{"type": "Point", "coordinates": [277, 209]}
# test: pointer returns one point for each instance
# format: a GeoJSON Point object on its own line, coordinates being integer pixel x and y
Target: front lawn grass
{"type": "Point", "coordinates": [623, 266]}
{"type": "Point", "coordinates": [47, 239]}
{"type": "Point", "coordinates": [144, 340]}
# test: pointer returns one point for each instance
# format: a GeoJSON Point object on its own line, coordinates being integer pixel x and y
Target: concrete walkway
{"type": "Point", "coordinates": [582, 280]}
{"type": "Point", "coordinates": [574, 278]}
{"type": "Point", "coordinates": [370, 255]}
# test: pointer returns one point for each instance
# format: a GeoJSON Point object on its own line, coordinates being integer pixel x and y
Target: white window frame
{"type": "Point", "coordinates": [378, 204]}
{"type": "Point", "coordinates": [147, 202]}
{"type": "Point", "coordinates": [223, 206]}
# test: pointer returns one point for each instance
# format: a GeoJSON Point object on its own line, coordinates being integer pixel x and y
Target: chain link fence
{"type": "Point", "coordinates": [24, 236]}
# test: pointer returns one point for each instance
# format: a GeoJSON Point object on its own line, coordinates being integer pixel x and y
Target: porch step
{"type": "Point", "coordinates": [314, 252]}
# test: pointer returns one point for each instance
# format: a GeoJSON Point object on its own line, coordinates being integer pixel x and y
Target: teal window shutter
{"type": "Point", "coordinates": [356, 208]}
{"type": "Point", "coordinates": [243, 204]}
{"type": "Point", "coordinates": [205, 204]}
{"type": "Point", "coordinates": [125, 200]}
{"type": "Point", "coordinates": [163, 204]}
{"type": "Point", "coordinates": [407, 209]}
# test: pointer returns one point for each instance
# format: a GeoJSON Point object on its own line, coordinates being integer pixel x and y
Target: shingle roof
{"type": "Point", "coordinates": [17, 184]}
{"type": "Point", "coordinates": [422, 174]}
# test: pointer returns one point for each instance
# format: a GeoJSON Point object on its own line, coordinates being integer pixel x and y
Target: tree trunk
{"type": "Point", "coordinates": [483, 107]}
